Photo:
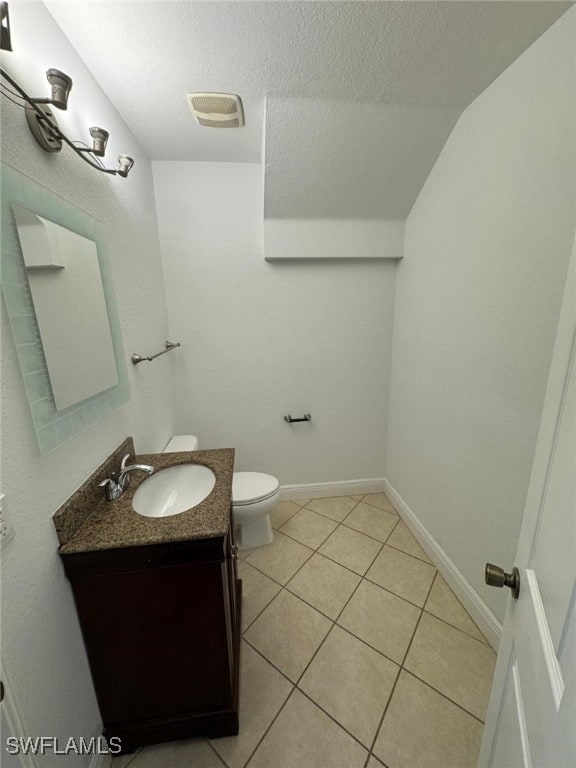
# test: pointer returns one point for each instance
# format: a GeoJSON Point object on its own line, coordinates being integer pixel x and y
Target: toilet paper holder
{"type": "Point", "coordinates": [292, 420]}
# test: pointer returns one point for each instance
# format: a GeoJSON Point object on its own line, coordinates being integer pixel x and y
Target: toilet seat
{"type": "Point", "coordinates": [251, 487]}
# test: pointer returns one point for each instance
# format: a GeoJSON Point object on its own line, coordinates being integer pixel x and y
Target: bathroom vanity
{"type": "Point", "coordinates": [159, 603]}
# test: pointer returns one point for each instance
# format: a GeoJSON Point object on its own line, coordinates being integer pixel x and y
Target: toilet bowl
{"type": "Point", "coordinates": [254, 496]}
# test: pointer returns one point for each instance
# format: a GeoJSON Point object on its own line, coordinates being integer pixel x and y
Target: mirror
{"type": "Point", "coordinates": [64, 278]}
{"type": "Point", "coordinates": [58, 292]}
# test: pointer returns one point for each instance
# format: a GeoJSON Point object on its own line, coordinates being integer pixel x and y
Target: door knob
{"type": "Point", "coordinates": [495, 577]}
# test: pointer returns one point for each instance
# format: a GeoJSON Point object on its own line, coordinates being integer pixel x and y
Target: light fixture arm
{"type": "Point", "coordinates": [52, 142]}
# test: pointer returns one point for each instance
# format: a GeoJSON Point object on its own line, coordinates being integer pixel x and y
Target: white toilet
{"type": "Point", "coordinates": [254, 496]}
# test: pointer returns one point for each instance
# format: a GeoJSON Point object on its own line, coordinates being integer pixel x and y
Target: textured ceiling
{"type": "Point", "coordinates": [361, 95]}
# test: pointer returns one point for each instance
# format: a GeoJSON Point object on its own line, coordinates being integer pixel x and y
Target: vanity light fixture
{"type": "Point", "coordinates": [44, 126]}
{"type": "Point", "coordinates": [124, 165]}
{"type": "Point", "coordinates": [61, 85]}
{"type": "Point", "coordinates": [99, 140]}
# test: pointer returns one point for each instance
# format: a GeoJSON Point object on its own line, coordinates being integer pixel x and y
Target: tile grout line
{"type": "Point", "coordinates": [209, 742]}
{"type": "Point", "coordinates": [400, 668]}
{"type": "Point", "coordinates": [269, 727]}
{"type": "Point", "coordinates": [444, 621]}
{"type": "Point", "coordinates": [418, 622]}
{"type": "Point", "coordinates": [403, 667]}
{"type": "Point", "coordinates": [334, 624]}
{"type": "Point", "coordinates": [390, 592]}
{"type": "Point", "coordinates": [410, 645]}
{"type": "Point", "coordinates": [297, 686]}
{"type": "Point", "coordinates": [272, 664]}
{"type": "Point", "coordinates": [362, 577]}
{"type": "Point", "coordinates": [331, 717]}
{"type": "Point", "coordinates": [444, 696]}
{"type": "Point", "coordinates": [427, 561]}
{"type": "Point", "coordinates": [333, 621]}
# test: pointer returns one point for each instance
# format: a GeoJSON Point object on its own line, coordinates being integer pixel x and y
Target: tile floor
{"type": "Point", "coordinates": [356, 654]}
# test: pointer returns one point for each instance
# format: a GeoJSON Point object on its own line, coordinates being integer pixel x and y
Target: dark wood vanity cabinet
{"type": "Point", "coordinates": [161, 624]}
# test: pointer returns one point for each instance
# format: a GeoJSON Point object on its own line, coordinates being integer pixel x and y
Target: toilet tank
{"type": "Point", "coordinates": [181, 443]}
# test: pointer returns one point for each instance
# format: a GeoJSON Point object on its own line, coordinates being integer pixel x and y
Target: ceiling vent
{"type": "Point", "coordinates": [217, 110]}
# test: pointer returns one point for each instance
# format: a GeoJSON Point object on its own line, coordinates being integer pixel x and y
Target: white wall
{"type": "Point", "coordinates": [42, 651]}
{"type": "Point", "coordinates": [333, 239]}
{"type": "Point", "coordinates": [262, 339]}
{"type": "Point", "coordinates": [477, 301]}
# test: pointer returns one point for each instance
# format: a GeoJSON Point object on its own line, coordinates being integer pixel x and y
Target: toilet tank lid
{"type": "Point", "coordinates": [181, 443]}
{"type": "Point", "coordinates": [252, 486]}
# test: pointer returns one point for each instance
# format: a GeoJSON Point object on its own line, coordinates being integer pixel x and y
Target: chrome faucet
{"type": "Point", "coordinates": [116, 484]}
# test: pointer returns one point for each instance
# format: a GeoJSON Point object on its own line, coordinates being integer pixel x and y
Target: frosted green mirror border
{"type": "Point", "coordinates": [52, 427]}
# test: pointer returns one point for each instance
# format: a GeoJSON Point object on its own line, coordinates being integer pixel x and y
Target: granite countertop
{"type": "Point", "coordinates": [87, 522]}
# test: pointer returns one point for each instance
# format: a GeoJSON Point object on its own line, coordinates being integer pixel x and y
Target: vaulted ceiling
{"type": "Point", "coordinates": [355, 99]}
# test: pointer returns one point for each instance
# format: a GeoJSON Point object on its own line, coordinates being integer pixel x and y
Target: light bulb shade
{"type": "Point", "coordinates": [61, 85]}
{"type": "Point", "coordinates": [124, 165]}
{"type": "Point", "coordinates": [99, 140]}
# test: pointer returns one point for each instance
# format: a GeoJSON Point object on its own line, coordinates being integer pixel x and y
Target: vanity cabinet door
{"type": "Point", "coordinates": [157, 641]}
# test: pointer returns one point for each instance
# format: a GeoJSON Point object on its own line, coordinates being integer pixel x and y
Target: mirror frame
{"type": "Point", "coordinates": [52, 427]}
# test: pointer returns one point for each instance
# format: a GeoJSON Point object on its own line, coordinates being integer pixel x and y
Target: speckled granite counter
{"type": "Point", "coordinates": [87, 522]}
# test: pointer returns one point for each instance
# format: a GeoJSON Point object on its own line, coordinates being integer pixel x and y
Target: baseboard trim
{"type": "Point", "coordinates": [337, 488]}
{"type": "Point", "coordinates": [476, 607]}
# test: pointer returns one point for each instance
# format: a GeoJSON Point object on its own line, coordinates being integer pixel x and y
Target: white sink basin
{"type": "Point", "coordinates": [173, 490]}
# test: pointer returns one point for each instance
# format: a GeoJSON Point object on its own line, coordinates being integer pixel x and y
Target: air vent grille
{"type": "Point", "coordinates": [217, 110]}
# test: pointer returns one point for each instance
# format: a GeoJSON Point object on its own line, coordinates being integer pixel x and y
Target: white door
{"type": "Point", "coordinates": [531, 719]}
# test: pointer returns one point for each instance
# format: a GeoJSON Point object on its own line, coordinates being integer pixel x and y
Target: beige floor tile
{"type": "Point", "coordinates": [351, 682]}
{"type": "Point", "coordinates": [402, 539]}
{"type": "Point", "coordinates": [373, 521]}
{"type": "Point", "coordinates": [350, 548]}
{"type": "Point", "coordinates": [357, 496]}
{"type": "Point", "coordinates": [384, 621]}
{"type": "Point", "coordinates": [302, 502]}
{"type": "Point", "coordinates": [373, 763]}
{"type": "Point", "coordinates": [379, 500]}
{"type": "Point", "coordinates": [309, 528]}
{"type": "Point", "coordinates": [263, 690]}
{"type": "Point", "coordinates": [324, 584]}
{"type": "Point", "coordinates": [288, 633]}
{"type": "Point", "coordinates": [444, 604]}
{"type": "Point", "coordinates": [282, 512]}
{"type": "Point", "coordinates": [455, 664]}
{"type": "Point", "coordinates": [422, 729]}
{"type": "Point", "coordinates": [305, 737]}
{"type": "Point", "coordinates": [334, 507]}
{"type": "Point", "coordinates": [176, 754]}
{"type": "Point", "coordinates": [281, 559]}
{"type": "Point", "coordinates": [402, 574]}
{"type": "Point", "coordinates": [257, 591]}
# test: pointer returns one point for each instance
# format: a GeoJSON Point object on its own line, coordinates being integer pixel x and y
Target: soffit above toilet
{"type": "Point", "coordinates": [361, 95]}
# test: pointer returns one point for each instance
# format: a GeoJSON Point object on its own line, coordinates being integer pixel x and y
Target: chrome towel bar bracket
{"type": "Point", "coordinates": [169, 346]}
{"type": "Point", "coordinates": [291, 420]}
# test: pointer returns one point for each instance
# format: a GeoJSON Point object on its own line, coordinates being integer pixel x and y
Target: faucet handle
{"type": "Point", "coordinates": [123, 463]}
{"type": "Point", "coordinates": [111, 487]}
